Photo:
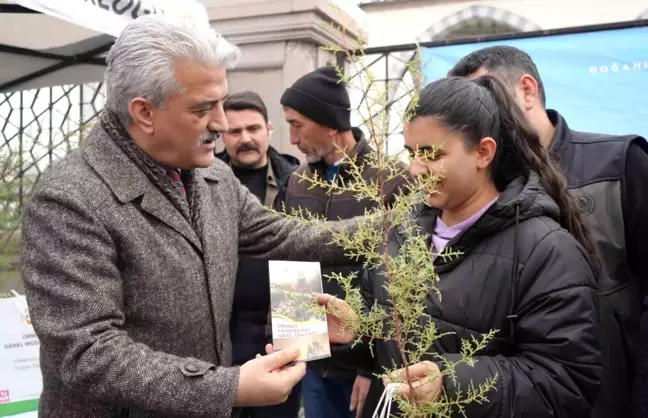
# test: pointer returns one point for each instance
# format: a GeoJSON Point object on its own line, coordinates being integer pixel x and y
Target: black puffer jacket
{"type": "Point", "coordinates": [553, 368]}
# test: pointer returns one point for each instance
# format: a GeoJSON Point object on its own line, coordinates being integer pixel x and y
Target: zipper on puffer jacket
{"type": "Point", "coordinates": [512, 316]}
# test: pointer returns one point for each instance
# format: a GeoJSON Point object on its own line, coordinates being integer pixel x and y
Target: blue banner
{"type": "Point", "coordinates": [597, 80]}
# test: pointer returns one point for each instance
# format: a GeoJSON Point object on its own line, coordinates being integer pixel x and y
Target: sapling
{"type": "Point", "coordinates": [410, 275]}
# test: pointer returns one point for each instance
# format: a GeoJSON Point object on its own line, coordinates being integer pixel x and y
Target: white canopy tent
{"type": "Point", "coordinates": [56, 42]}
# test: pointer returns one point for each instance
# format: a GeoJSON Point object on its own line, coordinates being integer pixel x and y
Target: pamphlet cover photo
{"type": "Point", "coordinates": [296, 319]}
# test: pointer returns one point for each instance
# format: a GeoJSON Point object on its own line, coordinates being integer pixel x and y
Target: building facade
{"type": "Point", "coordinates": [389, 25]}
{"type": "Point", "coordinates": [391, 22]}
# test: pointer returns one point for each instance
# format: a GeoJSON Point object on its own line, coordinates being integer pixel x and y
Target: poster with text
{"type": "Point", "coordinates": [597, 80]}
{"type": "Point", "coordinates": [20, 376]}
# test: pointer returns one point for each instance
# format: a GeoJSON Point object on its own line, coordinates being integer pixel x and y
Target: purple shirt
{"type": "Point", "coordinates": [443, 233]}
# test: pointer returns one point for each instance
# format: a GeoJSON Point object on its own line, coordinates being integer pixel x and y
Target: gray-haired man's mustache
{"type": "Point", "coordinates": [208, 137]}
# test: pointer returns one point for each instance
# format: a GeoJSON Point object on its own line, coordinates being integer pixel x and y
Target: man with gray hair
{"type": "Point", "coordinates": [131, 244]}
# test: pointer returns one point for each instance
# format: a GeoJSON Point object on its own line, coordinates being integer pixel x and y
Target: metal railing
{"type": "Point", "coordinates": [381, 87]}
{"type": "Point", "coordinates": [39, 127]}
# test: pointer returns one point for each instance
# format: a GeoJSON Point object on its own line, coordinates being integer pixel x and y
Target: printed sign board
{"type": "Point", "coordinates": [20, 376]}
{"type": "Point", "coordinates": [597, 80]}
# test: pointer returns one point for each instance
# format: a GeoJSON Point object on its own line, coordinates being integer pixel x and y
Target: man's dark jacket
{"type": "Point", "coordinates": [516, 259]}
{"type": "Point", "coordinates": [249, 325]}
{"type": "Point", "coordinates": [604, 173]}
{"type": "Point", "coordinates": [334, 207]}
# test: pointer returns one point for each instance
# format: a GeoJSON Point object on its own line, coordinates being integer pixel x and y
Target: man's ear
{"type": "Point", "coordinates": [270, 129]}
{"type": "Point", "coordinates": [332, 132]}
{"type": "Point", "coordinates": [141, 113]}
{"type": "Point", "coordinates": [528, 92]}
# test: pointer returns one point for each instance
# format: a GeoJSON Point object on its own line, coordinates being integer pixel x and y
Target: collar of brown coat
{"type": "Point", "coordinates": [126, 180]}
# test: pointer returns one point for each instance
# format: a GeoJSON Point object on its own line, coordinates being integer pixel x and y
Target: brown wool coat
{"type": "Point", "coordinates": [131, 305]}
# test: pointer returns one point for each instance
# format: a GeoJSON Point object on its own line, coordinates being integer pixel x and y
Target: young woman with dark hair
{"type": "Point", "coordinates": [526, 266]}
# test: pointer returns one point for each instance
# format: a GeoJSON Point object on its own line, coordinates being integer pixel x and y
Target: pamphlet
{"type": "Point", "coordinates": [21, 382]}
{"type": "Point", "coordinates": [296, 319]}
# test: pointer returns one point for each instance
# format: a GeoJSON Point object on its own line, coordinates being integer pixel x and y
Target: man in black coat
{"type": "Point", "coordinates": [265, 172]}
{"type": "Point", "coordinates": [608, 175]}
